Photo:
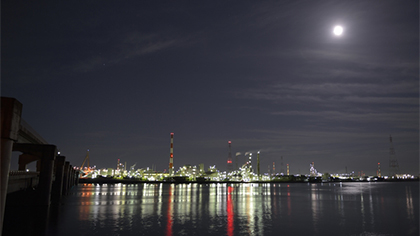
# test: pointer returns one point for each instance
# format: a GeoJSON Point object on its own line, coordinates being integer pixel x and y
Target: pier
{"type": "Point", "coordinates": [54, 176]}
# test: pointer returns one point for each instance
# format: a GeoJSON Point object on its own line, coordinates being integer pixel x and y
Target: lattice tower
{"type": "Point", "coordinates": [229, 159]}
{"type": "Point", "coordinates": [394, 168]}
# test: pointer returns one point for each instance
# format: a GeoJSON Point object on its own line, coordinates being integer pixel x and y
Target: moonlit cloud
{"type": "Point", "coordinates": [129, 47]}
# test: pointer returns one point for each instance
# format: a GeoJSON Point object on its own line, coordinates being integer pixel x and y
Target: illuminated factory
{"type": "Point", "coordinates": [246, 172]}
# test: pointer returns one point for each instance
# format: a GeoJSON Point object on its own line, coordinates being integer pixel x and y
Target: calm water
{"type": "Point", "coordinates": [237, 209]}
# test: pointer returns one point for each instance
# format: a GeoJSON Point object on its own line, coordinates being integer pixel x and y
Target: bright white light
{"type": "Point", "coordinates": [338, 30]}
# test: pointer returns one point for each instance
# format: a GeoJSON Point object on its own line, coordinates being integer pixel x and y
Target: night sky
{"type": "Point", "coordinates": [117, 77]}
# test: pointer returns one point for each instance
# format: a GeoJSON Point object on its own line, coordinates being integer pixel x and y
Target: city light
{"type": "Point", "coordinates": [244, 174]}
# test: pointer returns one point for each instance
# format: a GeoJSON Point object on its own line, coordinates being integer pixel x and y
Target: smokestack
{"type": "Point", "coordinates": [258, 165]}
{"type": "Point", "coordinates": [287, 169]}
{"type": "Point", "coordinates": [171, 157]}
{"type": "Point", "coordinates": [274, 168]}
{"type": "Point", "coordinates": [281, 166]}
{"type": "Point", "coordinates": [250, 162]}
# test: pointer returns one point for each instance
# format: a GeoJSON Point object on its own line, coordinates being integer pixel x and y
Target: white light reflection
{"type": "Point", "coordinates": [212, 201]}
{"type": "Point", "coordinates": [200, 200]}
{"type": "Point", "coordinates": [267, 200]}
{"type": "Point", "coordinates": [275, 200]}
{"type": "Point", "coordinates": [314, 206]}
{"type": "Point", "coordinates": [362, 210]}
{"type": "Point", "coordinates": [356, 188]}
{"type": "Point", "coordinates": [372, 215]}
{"type": "Point", "coordinates": [340, 202]}
{"type": "Point", "coordinates": [409, 203]}
{"type": "Point", "coordinates": [244, 208]}
{"type": "Point", "coordinates": [159, 200]}
{"type": "Point", "coordinates": [289, 201]}
{"type": "Point", "coordinates": [250, 210]}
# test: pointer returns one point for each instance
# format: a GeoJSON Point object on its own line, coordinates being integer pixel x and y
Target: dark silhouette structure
{"type": "Point", "coordinates": [53, 176]}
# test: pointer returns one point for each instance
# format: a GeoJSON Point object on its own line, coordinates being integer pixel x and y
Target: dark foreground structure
{"type": "Point", "coordinates": [54, 176]}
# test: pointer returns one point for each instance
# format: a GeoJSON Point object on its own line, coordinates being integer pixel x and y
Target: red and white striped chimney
{"type": "Point", "coordinates": [171, 157]}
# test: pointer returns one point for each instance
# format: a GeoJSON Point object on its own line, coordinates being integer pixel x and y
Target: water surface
{"type": "Point", "coordinates": [238, 209]}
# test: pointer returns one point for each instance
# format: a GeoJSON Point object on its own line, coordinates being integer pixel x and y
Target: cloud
{"type": "Point", "coordinates": [396, 118]}
{"type": "Point", "coordinates": [400, 93]}
{"type": "Point", "coordinates": [131, 45]}
{"type": "Point", "coordinates": [300, 141]}
{"type": "Point", "coordinates": [361, 59]}
{"type": "Point", "coordinates": [392, 104]}
{"type": "Point", "coordinates": [137, 44]}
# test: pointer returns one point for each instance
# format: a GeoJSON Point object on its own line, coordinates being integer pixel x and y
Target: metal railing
{"type": "Point", "coordinates": [23, 173]}
{"type": "Point", "coordinates": [26, 128]}
{"type": "Point", "coordinates": [20, 180]}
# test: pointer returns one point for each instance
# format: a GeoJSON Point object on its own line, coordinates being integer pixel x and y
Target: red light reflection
{"type": "Point", "coordinates": [229, 208]}
{"type": "Point", "coordinates": [169, 214]}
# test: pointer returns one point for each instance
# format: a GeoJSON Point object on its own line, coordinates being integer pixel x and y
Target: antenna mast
{"type": "Point", "coordinates": [229, 159]}
{"type": "Point", "coordinates": [394, 168]}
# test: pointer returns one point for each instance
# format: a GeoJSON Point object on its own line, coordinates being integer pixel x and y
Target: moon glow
{"type": "Point", "coordinates": [338, 30]}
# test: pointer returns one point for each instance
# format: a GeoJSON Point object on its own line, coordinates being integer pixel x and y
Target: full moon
{"type": "Point", "coordinates": [338, 30]}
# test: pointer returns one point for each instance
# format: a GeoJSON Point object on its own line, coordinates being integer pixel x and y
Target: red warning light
{"type": "Point", "coordinates": [229, 142]}
{"type": "Point", "coordinates": [229, 161]}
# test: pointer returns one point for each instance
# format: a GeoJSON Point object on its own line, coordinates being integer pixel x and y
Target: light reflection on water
{"type": "Point", "coordinates": [241, 209]}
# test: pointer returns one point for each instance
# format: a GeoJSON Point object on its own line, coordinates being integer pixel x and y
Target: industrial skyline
{"type": "Point", "coordinates": [325, 82]}
{"type": "Point", "coordinates": [246, 162]}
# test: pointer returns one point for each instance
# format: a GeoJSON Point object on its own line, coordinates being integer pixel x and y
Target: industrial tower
{"type": "Point", "coordinates": [274, 168]}
{"type": "Point", "coordinates": [394, 168]}
{"type": "Point", "coordinates": [281, 165]}
{"type": "Point", "coordinates": [229, 159]}
{"type": "Point", "coordinates": [250, 163]}
{"type": "Point", "coordinates": [237, 154]}
{"type": "Point", "coordinates": [258, 165]}
{"type": "Point", "coordinates": [171, 156]}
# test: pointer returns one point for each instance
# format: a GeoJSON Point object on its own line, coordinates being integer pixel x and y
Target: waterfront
{"type": "Point", "coordinates": [370, 208]}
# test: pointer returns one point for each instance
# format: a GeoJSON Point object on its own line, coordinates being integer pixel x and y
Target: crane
{"type": "Point", "coordinates": [85, 173]}
{"type": "Point", "coordinates": [86, 159]}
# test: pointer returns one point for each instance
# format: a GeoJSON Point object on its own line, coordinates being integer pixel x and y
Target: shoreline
{"type": "Point", "coordinates": [137, 181]}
